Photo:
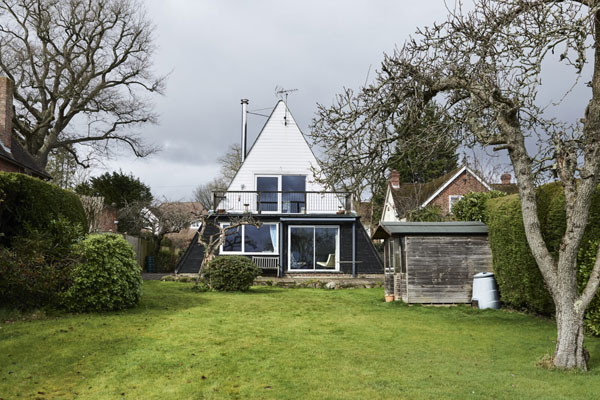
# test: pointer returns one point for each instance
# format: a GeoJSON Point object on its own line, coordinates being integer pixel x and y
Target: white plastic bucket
{"type": "Point", "coordinates": [485, 290]}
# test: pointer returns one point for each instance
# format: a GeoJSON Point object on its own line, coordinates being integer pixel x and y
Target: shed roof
{"type": "Point", "coordinates": [387, 229]}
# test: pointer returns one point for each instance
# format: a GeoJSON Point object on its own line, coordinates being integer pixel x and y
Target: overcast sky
{"type": "Point", "coordinates": [219, 52]}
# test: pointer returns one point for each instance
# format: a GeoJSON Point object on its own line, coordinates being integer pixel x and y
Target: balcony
{"type": "Point", "coordinates": [271, 202]}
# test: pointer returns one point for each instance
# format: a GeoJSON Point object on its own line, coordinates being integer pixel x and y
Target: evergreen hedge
{"type": "Point", "coordinates": [29, 204]}
{"type": "Point", "coordinates": [519, 279]}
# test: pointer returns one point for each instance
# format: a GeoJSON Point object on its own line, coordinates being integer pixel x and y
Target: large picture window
{"type": "Point", "coordinates": [263, 240]}
{"type": "Point", "coordinates": [313, 248]}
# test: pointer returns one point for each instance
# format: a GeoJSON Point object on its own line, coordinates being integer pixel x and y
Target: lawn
{"type": "Point", "coordinates": [285, 343]}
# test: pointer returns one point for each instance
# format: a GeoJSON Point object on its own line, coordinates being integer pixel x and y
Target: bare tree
{"type": "Point", "coordinates": [92, 206]}
{"type": "Point", "coordinates": [204, 193]}
{"type": "Point", "coordinates": [82, 71]}
{"type": "Point", "coordinates": [484, 69]}
{"type": "Point", "coordinates": [63, 168]}
{"type": "Point", "coordinates": [211, 242]}
{"type": "Point", "coordinates": [360, 147]}
{"type": "Point", "coordinates": [160, 218]}
{"type": "Point", "coordinates": [230, 162]}
{"type": "Point", "coordinates": [486, 166]}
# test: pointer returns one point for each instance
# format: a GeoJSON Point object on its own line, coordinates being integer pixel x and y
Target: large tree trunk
{"type": "Point", "coordinates": [570, 352]}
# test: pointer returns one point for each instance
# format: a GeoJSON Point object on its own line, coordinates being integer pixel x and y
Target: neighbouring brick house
{"type": "Point", "coordinates": [13, 157]}
{"type": "Point", "coordinates": [443, 192]}
{"type": "Point", "coordinates": [108, 219]}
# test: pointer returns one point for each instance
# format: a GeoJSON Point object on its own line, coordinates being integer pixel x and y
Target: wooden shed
{"type": "Point", "coordinates": [433, 262]}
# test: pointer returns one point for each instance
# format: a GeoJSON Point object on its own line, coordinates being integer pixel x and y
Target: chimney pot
{"type": "Point", "coordinates": [505, 179]}
{"type": "Point", "coordinates": [6, 111]}
{"type": "Point", "coordinates": [395, 179]}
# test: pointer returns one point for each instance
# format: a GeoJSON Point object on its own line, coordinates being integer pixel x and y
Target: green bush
{"type": "Point", "coordinates": [108, 278]}
{"type": "Point", "coordinates": [519, 279]}
{"type": "Point", "coordinates": [471, 207]}
{"type": "Point", "coordinates": [431, 213]}
{"type": "Point", "coordinates": [29, 204]}
{"type": "Point", "coordinates": [167, 259]}
{"type": "Point", "coordinates": [230, 273]}
{"type": "Point", "coordinates": [38, 267]}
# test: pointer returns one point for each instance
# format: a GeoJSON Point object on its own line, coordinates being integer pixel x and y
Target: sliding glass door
{"type": "Point", "coordinates": [313, 248]}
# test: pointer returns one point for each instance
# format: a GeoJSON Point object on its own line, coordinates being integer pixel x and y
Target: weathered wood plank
{"type": "Point", "coordinates": [440, 269]}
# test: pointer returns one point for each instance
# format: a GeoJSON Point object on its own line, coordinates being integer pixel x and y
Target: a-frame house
{"type": "Point", "coordinates": [307, 229]}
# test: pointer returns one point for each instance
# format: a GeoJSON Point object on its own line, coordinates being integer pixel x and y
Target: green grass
{"type": "Point", "coordinates": [285, 344]}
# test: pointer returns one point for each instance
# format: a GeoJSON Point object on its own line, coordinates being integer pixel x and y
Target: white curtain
{"type": "Point", "coordinates": [273, 231]}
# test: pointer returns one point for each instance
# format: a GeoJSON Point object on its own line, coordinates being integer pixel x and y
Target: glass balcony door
{"type": "Point", "coordinates": [315, 248]}
{"type": "Point", "coordinates": [294, 193]}
{"type": "Point", "coordinates": [281, 193]}
{"type": "Point", "coordinates": [268, 198]}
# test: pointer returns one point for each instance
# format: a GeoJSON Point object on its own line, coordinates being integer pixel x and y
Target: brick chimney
{"type": "Point", "coordinates": [505, 179]}
{"type": "Point", "coordinates": [6, 111]}
{"type": "Point", "coordinates": [395, 178]}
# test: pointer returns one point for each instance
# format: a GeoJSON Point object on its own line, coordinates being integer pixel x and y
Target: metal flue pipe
{"type": "Point", "coordinates": [244, 127]}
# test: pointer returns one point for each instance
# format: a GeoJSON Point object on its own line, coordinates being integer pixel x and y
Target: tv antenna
{"type": "Point", "coordinates": [284, 92]}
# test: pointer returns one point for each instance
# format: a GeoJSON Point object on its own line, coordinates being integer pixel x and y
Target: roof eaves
{"type": "Point", "coordinates": [444, 186]}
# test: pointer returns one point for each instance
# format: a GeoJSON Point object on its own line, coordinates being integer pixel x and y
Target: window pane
{"type": "Point", "coordinates": [293, 183]}
{"type": "Point", "coordinates": [293, 202]}
{"type": "Point", "coordinates": [260, 240]}
{"type": "Point", "coordinates": [301, 248]}
{"type": "Point", "coordinates": [268, 201]}
{"type": "Point", "coordinates": [325, 247]}
{"type": "Point", "coordinates": [233, 240]}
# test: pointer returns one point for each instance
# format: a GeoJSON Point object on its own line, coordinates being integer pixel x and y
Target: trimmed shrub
{"type": "Point", "coordinates": [167, 259]}
{"type": "Point", "coordinates": [108, 278]}
{"type": "Point", "coordinates": [471, 207]}
{"type": "Point", "coordinates": [38, 267]}
{"type": "Point", "coordinates": [29, 204]}
{"type": "Point", "coordinates": [519, 279]}
{"type": "Point", "coordinates": [27, 282]}
{"type": "Point", "coordinates": [230, 273]}
{"type": "Point", "coordinates": [587, 259]}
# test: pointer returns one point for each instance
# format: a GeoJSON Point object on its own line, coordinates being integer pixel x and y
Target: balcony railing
{"type": "Point", "coordinates": [282, 202]}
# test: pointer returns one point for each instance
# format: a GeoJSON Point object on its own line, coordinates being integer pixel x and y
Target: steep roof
{"type": "Point", "coordinates": [386, 229]}
{"type": "Point", "coordinates": [18, 156]}
{"type": "Point", "coordinates": [409, 196]}
{"type": "Point", "coordinates": [280, 148]}
{"type": "Point", "coordinates": [192, 208]}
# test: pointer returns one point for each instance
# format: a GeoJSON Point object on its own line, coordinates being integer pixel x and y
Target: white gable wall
{"type": "Point", "coordinates": [389, 213]}
{"type": "Point", "coordinates": [278, 150]}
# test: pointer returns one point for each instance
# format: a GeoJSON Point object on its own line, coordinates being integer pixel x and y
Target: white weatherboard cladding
{"type": "Point", "coordinates": [389, 208]}
{"type": "Point", "coordinates": [280, 149]}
